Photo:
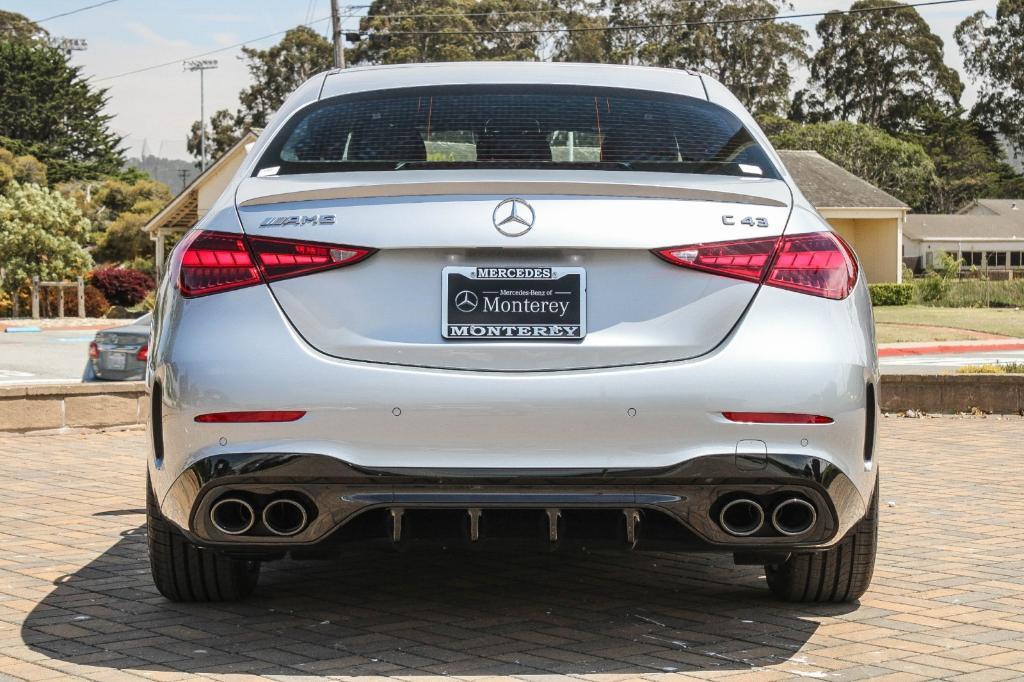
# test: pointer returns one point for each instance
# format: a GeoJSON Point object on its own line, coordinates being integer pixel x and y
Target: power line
{"type": "Point", "coordinates": [582, 29]}
{"type": "Point", "coordinates": [678, 24]}
{"type": "Point", "coordinates": [75, 11]}
{"type": "Point", "coordinates": [207, 53]}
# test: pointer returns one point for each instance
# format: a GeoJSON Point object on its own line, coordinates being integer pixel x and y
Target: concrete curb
{"type": "Point", "coordinates": [60, 406]}
{"type": "Point", "coordinates": [952, 393]}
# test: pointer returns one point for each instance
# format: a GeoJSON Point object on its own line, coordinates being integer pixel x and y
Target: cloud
{"type": "Point", "coordinates": [150, 36]}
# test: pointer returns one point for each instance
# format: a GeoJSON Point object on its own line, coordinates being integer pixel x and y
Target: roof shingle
{"type": "Point", "coordinates": [829, 185]}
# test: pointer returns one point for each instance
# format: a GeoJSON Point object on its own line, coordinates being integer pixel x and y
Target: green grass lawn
{"type": "Point", "coordinates": [924, 323]}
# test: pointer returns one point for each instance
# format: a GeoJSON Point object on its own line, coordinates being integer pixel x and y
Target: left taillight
{"type": "Point", "coordinates": [143, 353]}
{"type": "Point", "coordinates": [212, 262]}
{"type": "Point", "coordinates": [815, 263]}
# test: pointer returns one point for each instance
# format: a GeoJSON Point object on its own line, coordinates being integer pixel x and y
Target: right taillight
{"type": "Point", "coordinates": [816, 263]}
{"type": "Point", "coordinates": [212, 262]}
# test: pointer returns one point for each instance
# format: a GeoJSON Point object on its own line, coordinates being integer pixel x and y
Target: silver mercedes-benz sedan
{"type": "Point", "coordinates": [560, 305]}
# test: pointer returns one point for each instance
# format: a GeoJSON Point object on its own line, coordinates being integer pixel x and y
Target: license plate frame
{"type": "Point", "coordinates": [514, 303]}
{"type": "Point", "coordinates": [116, 360]}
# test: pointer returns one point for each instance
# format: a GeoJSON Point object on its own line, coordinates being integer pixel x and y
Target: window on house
{"type": "Point", "coordinates": [995, 259]}
{"type": "Point", "coordinates": [970, 258]}
{"type": "Point", "coordinates": [1016, 259]}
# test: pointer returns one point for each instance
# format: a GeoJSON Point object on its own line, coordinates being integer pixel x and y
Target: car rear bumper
{"type": "Point", "coordinates": [671, 507]}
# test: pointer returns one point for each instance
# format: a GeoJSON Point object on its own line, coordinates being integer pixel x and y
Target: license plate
{"type": "Point", "coordinates": [116, 360]}
{"type": "Point", "coordinates": [521, 303]}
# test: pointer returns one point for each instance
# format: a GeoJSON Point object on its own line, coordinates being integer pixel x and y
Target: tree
{"type": "Point", "coordinates": [117, 209]}
{"type": "Point", "coordinates": [901, 168]}
{"type": "Point", "coordinates": [755, 60]}
{"type": "Point", "coordinates": [41, 234]}
{"type": "Point", "coordinates": [994, 54]}
{"type": "Point", "coordinates": [584, 40]}
{"type": "Point", "coordinates": [16, 27]}
{"type": "Point", "coordinates": [879, 67]}
{"type": "Point", "coordinates": [221, 135]}
{"type": "Point", "coordinates": [276, 72]}
{"type": "Point", "coordinates": [388, 17]}
{"type": "Point", "coordinates": [49, 110]}
{"type": "Point", "coordinates": [24, 169]}
{"type": "Point", "coordinates": [967, 163]}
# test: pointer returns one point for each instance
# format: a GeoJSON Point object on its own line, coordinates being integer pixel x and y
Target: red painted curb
{"type": "Point", "coordinates": [938, 350]}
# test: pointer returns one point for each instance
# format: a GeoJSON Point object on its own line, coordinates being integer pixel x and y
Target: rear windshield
{"type": "Point", "coordinates": [507, 126]}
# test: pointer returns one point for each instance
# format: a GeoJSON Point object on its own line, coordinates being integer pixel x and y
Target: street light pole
{"type": "Point", "coordinates": [201, 65]}
{"type": "Point", "coordinates": [339, 47]}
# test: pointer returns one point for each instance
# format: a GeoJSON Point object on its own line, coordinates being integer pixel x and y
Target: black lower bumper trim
{"type": "Point", "coordinates": [344, 496]}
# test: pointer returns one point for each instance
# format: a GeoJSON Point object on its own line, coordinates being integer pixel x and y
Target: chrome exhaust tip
{"type": "Point", "coordinates": [741, 517]}
{"type": "Point", "coordinates": [232, 516]}
{"type": "Point", "coordinates": [284, 517]}
{"type": "Point", "coordinates": [794, 517]}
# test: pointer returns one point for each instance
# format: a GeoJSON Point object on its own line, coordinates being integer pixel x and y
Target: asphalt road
{"type": "Point", "coordinates": [44, 357]}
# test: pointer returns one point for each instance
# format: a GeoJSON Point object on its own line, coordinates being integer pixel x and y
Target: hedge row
{"type": "Point", "coordinates": [891, 294]}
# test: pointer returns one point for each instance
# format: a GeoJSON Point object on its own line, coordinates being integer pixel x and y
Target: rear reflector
{"type": "Point", "coordinates": [261, 416]}
{"type": "Point", "coordinates": [212, 262]}
{"type": "Point", "coordinates": [816, 263]}
{"type": "Point", "coordinates": [776, 418]}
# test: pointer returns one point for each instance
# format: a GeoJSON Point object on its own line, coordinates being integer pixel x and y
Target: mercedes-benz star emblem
{"type": "Point", "coordinates": [513, 217]}
{"type": "Point", "coordinates": [466, 301]}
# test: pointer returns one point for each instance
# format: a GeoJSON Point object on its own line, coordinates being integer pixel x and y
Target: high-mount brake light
{"type": "Point", "coordinates": [212, 262]}
{"type": "Point", "coordinates": [816, 263]}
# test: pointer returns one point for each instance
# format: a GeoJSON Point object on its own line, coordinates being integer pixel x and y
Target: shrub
{"type": "Point", "coordinates": [891, 294]}
{"type": "Point", "coordinates": [122, 286]}
{"type": "Point", "coordinates": [931, 288]}
{"type": "Point", "coordinates": [96, 304]}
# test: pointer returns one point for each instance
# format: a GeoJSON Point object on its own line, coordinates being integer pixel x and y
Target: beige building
{"type": "Point", "coordinates": [195, 201]}
{"type": "Point", "coordinates": [868, 218]}
{"type": "Point", "coordinates": [987, 236]}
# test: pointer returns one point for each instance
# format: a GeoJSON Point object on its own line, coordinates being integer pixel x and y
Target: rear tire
{"type": "Point", "coordinates": [839, 574]}
{"type": "Point", "coordinates": [184, 572]}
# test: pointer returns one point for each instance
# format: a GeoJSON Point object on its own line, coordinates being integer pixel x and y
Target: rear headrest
{"type": "Point", "coordinates": [621, 146]}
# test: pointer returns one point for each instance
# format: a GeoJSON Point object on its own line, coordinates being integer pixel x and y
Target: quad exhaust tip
{"type": "Point", "coordinates": [794, 517]}
{"type": "Point", "coordinates": [232, 516]}
{"type": "Point", "coordinates": [284, 517]}
{"type": "Point", "coordinates": [741, 517]}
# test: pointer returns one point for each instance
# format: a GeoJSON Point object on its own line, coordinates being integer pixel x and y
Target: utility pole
{"type": "Point", "coordinates": [201, 65]}
{"type": "Point", "coordinates": [339, 47]}
{"type": "Point", "coordinates": [183, 174]}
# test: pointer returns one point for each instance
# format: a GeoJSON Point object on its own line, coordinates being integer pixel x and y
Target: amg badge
{"type": "Point", "coordinates": [278, 220]}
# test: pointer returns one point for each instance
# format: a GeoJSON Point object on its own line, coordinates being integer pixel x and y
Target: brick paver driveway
{"type": "Point", "coordinates": [948, 596]}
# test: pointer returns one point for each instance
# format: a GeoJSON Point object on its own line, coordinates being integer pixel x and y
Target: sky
{"type": "Point", "coordinates": [154, 109]}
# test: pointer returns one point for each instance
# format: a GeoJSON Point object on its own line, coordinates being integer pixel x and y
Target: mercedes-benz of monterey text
{"type": "Point", "coordinates": [512, 304]}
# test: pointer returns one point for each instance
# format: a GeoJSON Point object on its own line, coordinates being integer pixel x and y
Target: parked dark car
{"type": "Point", "coordinates": [119, 354]}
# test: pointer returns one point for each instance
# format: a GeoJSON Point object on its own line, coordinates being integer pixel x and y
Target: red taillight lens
{"type": "Point", "coordinates": [282, 258]}
{"type": "Point", "coordinates": [251, 417]}
{"type": "Point", "coordinates": [816, 263]}
{"type": "Point", "coordinates": [212, 262]}
{"type": "Point", "coordinates": [143, 353]}
{"type": "Point", "coordinates": [819, 263]}
{"type": "Point", "coordinates": [743, 259]}
{"type": "Point", "coordinates": [776, 418]}
{"type": "Point", "coordinates": [215, 261]}
{"type": "Point", "coordinates": [94, 350]}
